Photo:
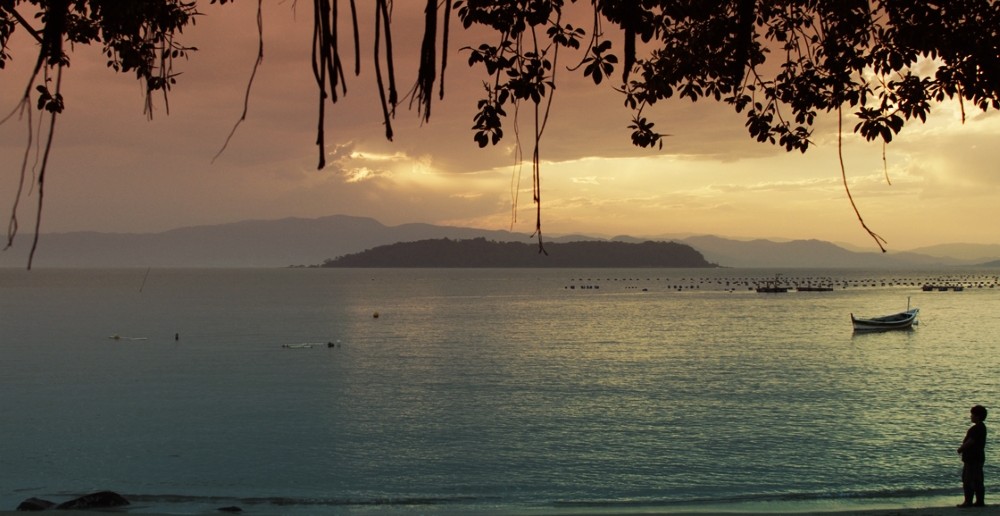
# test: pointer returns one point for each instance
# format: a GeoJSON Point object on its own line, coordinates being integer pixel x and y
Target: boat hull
{"type": "Point", "coordinates": [899, 321]}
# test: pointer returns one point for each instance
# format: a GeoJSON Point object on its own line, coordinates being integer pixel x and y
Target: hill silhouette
{"type": "Point", "coordinates": [480, 252]}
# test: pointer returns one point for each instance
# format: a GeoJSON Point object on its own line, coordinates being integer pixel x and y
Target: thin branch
{"type": "Point", "coordinates": [595, 35]}
{"type": "Point", "coordinates": [378, 73]}
{"type": "Point", "coordinates": [41, 171]}
{"type": "Point", "coordinates": [329, 49]}
{"type": "Point", "coordinates": [389, 61]}
{"type": "Point", "coordinates": [536, 166]}
{"type": "Point", "coordinates": [357, 44]}
{"type": "Point", "coordinates": [885, 164]}
{"type": "Point", "coordinates": [26, 97]}
{"type": "Point", "coordinates": [515, 177]}
{"type": "Point", "coordinates": [444, 45]}
{"type": "Point", "coordinates": [339, 66]}
{"type": "Point", "coordinates": [24, 105]}
{"type": "Point", "coordinates": [518, 156]}
{"type": "Point", "coordinates": [843, 174]}
{"type": "Point", "coordinates": [426, 72]}
{"type": "Point", "coordinates": [253, 75]}
{"type": "Point", "coordinates": [961, 103]}
{"type": "Point", "coordinates": [319, 72]}
{"type": "Point", "coordinates": [536, 170]}
{"type": "Point", "coordinates": [24, 23]}
{"type": "Point", "coordinates": [552, 92]}
{"type": "Point", "coordinates": [12, 224]}
{"type": "Point", "coordinates": [315, 42]}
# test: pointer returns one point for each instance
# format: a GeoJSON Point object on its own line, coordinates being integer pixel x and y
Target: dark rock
{"type": "Point", "coordinates": [231, 508]}
{"type": "Point", "coordinates": [98, 500]}
{"type": "Point", "coordinates": [35, 504]}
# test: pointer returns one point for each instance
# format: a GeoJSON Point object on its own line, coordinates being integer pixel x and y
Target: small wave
{"type": "Point", "coordinates": [871, 494]}
{"type": "Point", "coordinates": [283, 501]}
{"type": "Point", "coordinates": [878, 494]}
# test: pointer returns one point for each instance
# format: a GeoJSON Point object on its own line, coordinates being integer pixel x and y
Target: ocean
{"type": "Point", "coordinates": [490, 391]}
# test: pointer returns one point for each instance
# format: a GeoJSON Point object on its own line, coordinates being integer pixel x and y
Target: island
{"type": "Point", "coordinates": [480, 252]}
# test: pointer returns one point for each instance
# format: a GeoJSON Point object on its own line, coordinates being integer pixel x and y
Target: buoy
{"type": "Point", "coordinates": [375, 315]}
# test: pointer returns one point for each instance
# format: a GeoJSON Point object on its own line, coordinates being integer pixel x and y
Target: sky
{"type": "Point", "coordinates": [113, 170]}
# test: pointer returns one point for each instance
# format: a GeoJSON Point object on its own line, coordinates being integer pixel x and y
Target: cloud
{"type": "Point", "coordinates": [784, 186]}
{"type": "Point", "coordinates": [357, 175]}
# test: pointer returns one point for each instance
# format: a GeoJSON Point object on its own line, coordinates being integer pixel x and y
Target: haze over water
{"type": "Point", "coordinates": [486, 390]}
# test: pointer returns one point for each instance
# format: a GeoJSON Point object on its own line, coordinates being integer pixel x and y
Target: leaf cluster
{"type": "Point", "coordinates": [780, 63]}
{"type": "Point", "coordinates": [521, 64]}
{"type": "Point", "coordinates": [137, 36]}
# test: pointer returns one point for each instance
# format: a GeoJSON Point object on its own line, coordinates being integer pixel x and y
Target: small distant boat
{"type": "Point", "coordinates": [899, 321]}
{"type": "Point", "coordinates": [305, 345]}
{"type": "Point", "coordinates": [773, 286]}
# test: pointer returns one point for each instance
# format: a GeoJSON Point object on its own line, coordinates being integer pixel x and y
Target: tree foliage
{"type": "Point", "coordinates": [780, 63]}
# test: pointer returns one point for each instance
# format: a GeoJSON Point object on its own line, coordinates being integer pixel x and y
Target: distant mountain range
{"type": "Point", "coordinates": [296, 241]}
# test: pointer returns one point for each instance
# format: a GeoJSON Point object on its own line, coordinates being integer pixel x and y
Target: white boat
{"type": "Point", "coordinates": [899, 321]}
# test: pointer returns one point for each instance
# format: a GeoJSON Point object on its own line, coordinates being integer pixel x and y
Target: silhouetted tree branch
{"type": "Point", "coordinates": [779, 63]}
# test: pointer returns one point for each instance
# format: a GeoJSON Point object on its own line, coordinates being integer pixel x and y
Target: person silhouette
{"type": "Point", "coordinates": [973, 452]}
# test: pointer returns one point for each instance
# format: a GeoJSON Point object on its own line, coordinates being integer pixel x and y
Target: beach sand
{"type": "Point", "coordinates": [989, 510]}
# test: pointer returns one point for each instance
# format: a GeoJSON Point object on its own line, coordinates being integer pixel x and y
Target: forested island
{"type": "Point", "coordinates": [480, 252]}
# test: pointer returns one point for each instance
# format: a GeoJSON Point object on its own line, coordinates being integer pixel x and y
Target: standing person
{"type": "Point", "coordinates": [973, 452]}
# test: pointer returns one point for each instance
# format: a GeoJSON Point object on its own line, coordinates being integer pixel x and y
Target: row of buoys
{"type": "Point", "coordinates": [943, 288]}
{"type": "Point", "coordinates": [804, 283]}
{"type": "Point", "coordinates": [303, 345]}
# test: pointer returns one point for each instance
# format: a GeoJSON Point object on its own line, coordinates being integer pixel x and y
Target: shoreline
{"type": "Point", "coordinates": [988, 510]}
{"type": "Point", "coordinates": [939, 504]}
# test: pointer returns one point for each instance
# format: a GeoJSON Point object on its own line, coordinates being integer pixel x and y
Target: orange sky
{"type": "Point", "coordinates": [112, 170]}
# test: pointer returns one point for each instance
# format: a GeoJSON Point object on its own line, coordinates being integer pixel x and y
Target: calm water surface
{"type": "Point", "coordinates": [488, 391]}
